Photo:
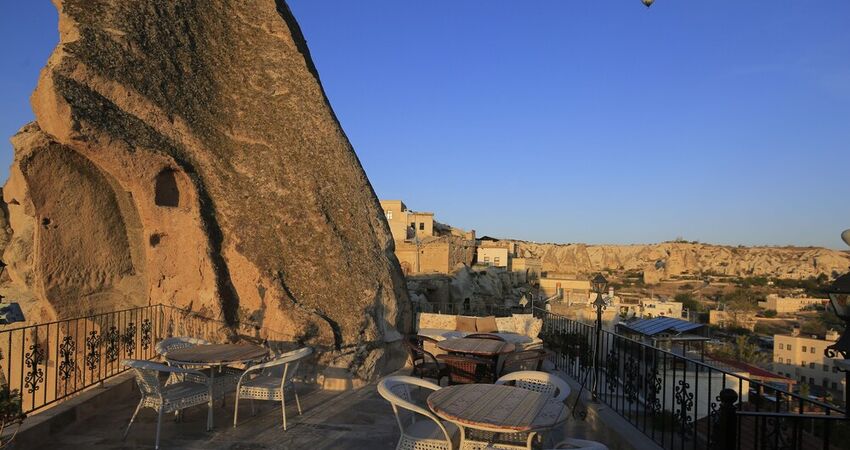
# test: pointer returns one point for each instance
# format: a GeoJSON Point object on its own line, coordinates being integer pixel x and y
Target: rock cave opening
{"type": "Point", "coordinates": [166, 191]}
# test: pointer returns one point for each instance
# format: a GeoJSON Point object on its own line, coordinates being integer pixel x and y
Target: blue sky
{"type": "Point", "coordinates": [572, 121]}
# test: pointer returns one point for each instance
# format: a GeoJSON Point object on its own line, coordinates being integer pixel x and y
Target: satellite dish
{"type": "Point", "coordinates": [845, 236]}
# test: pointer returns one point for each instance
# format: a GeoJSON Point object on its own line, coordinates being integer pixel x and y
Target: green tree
{"type": "Point", "coordinates": [688, 301]}
{"type": "Point", "coordinates": [741, 306]}
{"type": "Point", "coordinates": [770, 313]}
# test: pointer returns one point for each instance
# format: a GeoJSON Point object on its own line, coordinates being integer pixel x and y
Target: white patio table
{"type": "Point", "coordinates": [217, 356]}
{"type": "Point", "coordinates": [505, 416]}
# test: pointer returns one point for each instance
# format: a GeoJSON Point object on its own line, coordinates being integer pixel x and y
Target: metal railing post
{"type": "Point", "coordinates": [726, 436]}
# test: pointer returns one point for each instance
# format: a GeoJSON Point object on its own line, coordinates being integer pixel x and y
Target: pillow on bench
{"type": "Point", "coordinates": [486, 324]}
{"type": "Point", "coordinates": [466, 324]}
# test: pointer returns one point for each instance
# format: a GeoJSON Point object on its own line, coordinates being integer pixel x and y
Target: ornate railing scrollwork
{"type": "Point", "coordinates": [67, 352]}
{"type": "Point", "coordinates": [146, 334]}
{"type": "Point", "coordinates": [35, 374]}
{"type": "Point", "coordinates": [612, 371]}
{"type": "Point", "coordinates": [632, 379]}
{"type": "Point", "coordinates": [93, 341]}
{"type": "Point", "coordinates": [684, 405]}
{"type": "Point", "coordinates": [112, 338]}
{"type": "Point", "coordinates": [129, 339]}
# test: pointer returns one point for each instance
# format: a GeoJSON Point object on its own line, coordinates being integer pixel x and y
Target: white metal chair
{"type": "Point", "coordinates": [580, 444]}
{"type": "Point", "coordinates": [270, 381]}
{"type": "Point", "coordinates": [538, 382]}
{"type": "Point", "coordinates": [170, 398]}
{"type": "Point", "coordinates": [432, 434]}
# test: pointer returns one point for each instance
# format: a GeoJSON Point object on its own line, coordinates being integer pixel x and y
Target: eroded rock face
{"type": "Point", "coordinates": [184, 153]}
{"type": "Point", "coordinates": [659, 261]}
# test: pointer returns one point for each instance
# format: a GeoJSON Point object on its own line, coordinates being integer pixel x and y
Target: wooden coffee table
{"type": "Point", "coordinates": [517, 413]}
{"type": "Point", "coordinates": [477, 347]}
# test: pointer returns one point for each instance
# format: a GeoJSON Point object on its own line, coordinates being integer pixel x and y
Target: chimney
{"type": "Point", "coordinates": [795, 331]}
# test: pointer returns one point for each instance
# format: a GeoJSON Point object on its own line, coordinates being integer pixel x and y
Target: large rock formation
{"type": "Point", "coordinates": [185, 153]}
{"type": "Point", "coordinates": [669, 259]}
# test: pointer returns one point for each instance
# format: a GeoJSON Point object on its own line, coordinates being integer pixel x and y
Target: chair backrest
{"type": "Point", "coordinates": [396, 390]}
{"type": "Point", "coordinates": [542, 382]}
{"type": "Point", "coordinates": [525, 360]}
{"type": "Point", "coordinates": [147, 375]}
{"type": "Point", "coordinates": [468, 369]}
{"type": "Point", "coordinates": [286, 365]}
{"type": "Point", "coordinates": [489, 336]}
{"type": "Point", "coordinates": [416, 349]}
{"type": "Point", "coordinates": [175, 343]}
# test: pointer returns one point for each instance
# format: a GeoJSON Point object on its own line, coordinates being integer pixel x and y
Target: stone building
{"type": "Point", "coordinates": [802, 358]}
{"type": "Point", "coordinates": [526, 270]}
{"type": "Point", "coordinates": [572, 289]}
{"type": "Point", "coordinates": [785, 305]}
{"type": "Point", "coordinates": [423, 245]}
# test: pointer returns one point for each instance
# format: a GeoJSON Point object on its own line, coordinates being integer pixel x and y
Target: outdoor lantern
{"type": "Point", "coordinates": [839, 296]}
{"type": "Point", "coordinates": [599, 284]}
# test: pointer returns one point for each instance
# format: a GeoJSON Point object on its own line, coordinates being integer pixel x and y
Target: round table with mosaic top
{"type": "Point", "coordinates": [477, 347]}
{"type": "Point", "coordinates": [492, 413]}
{"type": "Point", "coordinates": [218, 358]}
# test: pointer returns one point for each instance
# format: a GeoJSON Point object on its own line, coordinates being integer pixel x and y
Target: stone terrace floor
{"type": "Point", "coordinates": [355, 419]}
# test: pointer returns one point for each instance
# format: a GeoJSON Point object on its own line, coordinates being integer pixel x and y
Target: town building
{"type": "Point", "coordinates": [723, 319]}
{"type": "Point", "coordinates": [802, 358]}
{"type": "Point", "coordinates": [658, 308]}
{"type": "Point", "coordinates": [785, 305]}
{"type": "Point", "coordinates": [494, 256]}
{"type": "Point", "coordinates": [677, 335]}
{"type": "Point", "coordinates": [526, 270]}
{"type": "Point", "coordinates": [424, 246]}
{"type": "Point", "coordinates": [571, 290]}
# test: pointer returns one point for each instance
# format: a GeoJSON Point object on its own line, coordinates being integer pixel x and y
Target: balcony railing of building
{"type": "Point", "coordinates": [46, 363]}
{"type": "Point", "coordinates": [684, 403]}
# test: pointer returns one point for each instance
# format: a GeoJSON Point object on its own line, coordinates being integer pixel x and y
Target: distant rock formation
{"type": "Point", "coordinates": [660, 261]}
{"type": "Point", "coordinates": [185, 153]}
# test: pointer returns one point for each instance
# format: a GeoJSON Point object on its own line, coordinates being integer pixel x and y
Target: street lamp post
{"type": "Point", "coordinates": [599, 284]}
{"type": "Point", "coordinates": [839, 299]}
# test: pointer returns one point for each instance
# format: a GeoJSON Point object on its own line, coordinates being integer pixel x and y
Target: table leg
{"type": "Point", "coordinates": [210, 420]}
{"type": "Point", "coordinates": [500, 362]}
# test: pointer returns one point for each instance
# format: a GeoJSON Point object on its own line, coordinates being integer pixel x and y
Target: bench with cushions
{"type": "Point", "coordinates": [518, 329]}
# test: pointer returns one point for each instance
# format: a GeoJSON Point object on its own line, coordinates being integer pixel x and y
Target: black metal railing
{"type": "Point", "coordinates": [677, 401]}
{"type": "Point", "coordinates": [48, 362]}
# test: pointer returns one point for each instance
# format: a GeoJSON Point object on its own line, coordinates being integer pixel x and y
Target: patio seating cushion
{"type": "Point", "coordinates": [486, 324]}
{"type": "Point", "coordinates": [527, 324]}
{"type": "Point", "coordinates": [466, 324]}
{"type": "Point", "coordinates": [506, 324]}
{"type": "Point", "coordinates": [520, 329]}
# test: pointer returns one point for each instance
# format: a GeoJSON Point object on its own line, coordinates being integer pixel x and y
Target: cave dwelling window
{"type": "Point", "coordinates": [166, 191]}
